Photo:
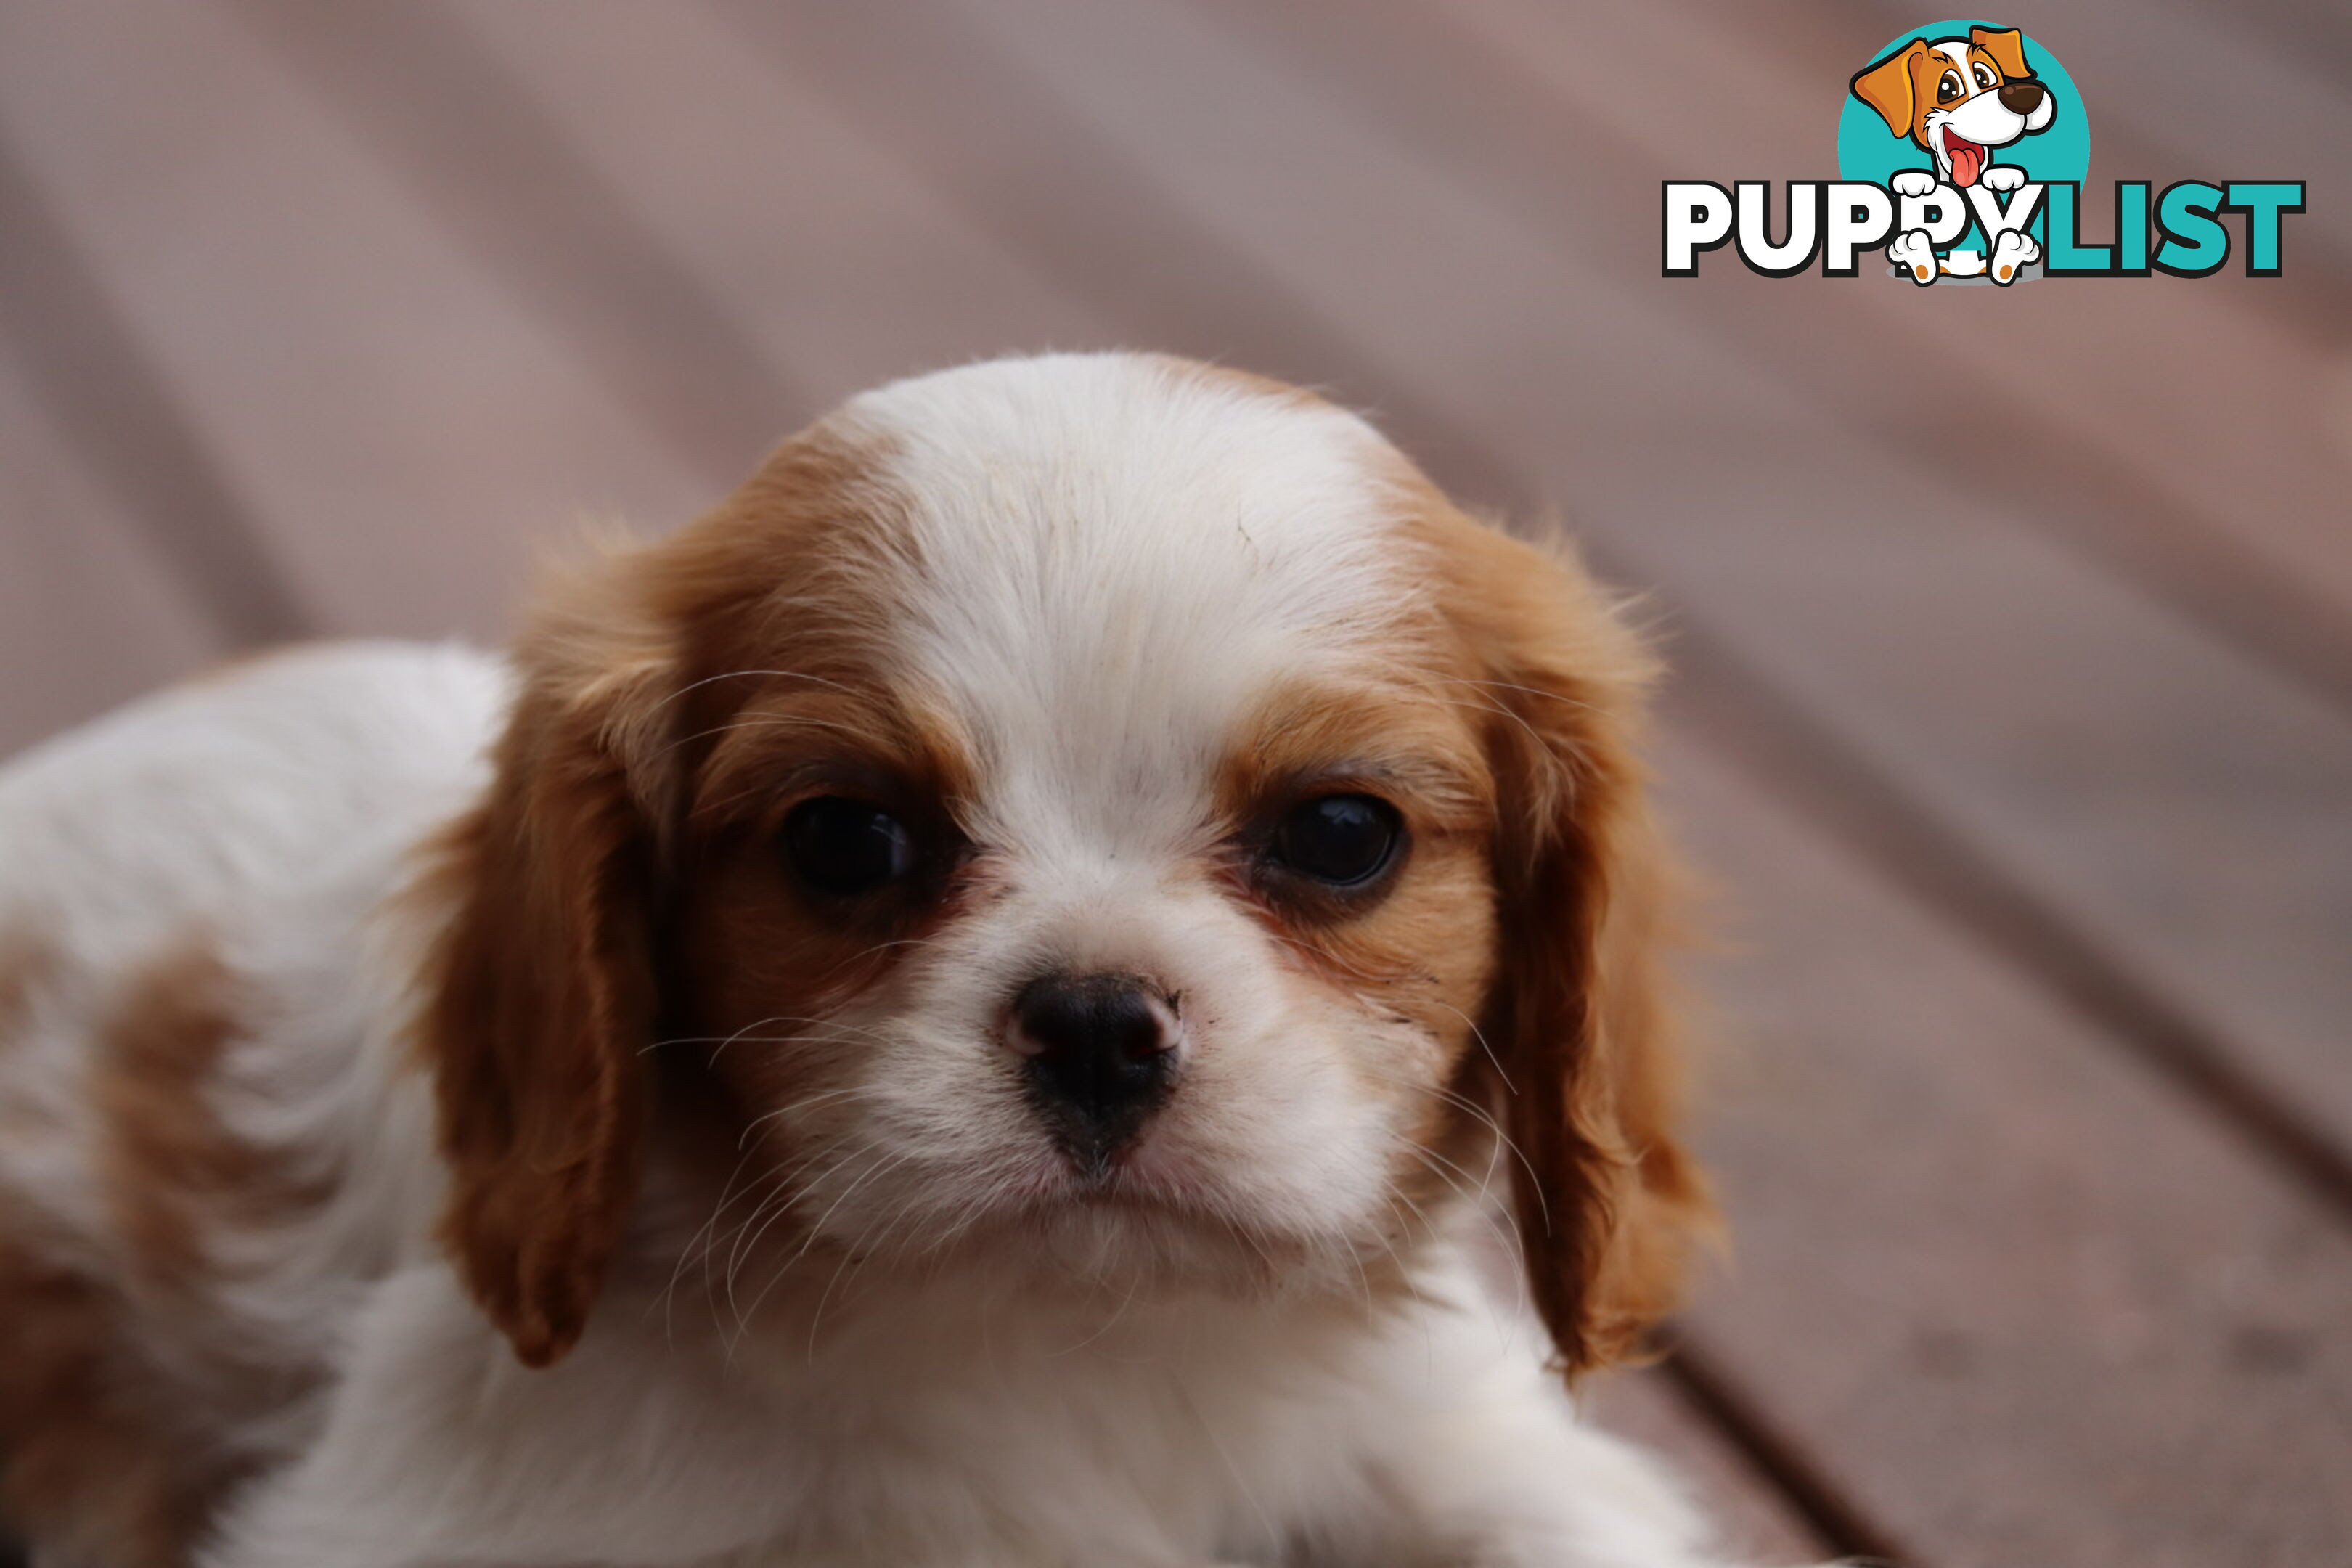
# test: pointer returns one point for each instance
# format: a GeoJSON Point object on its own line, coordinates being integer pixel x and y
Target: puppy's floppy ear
{"type": "Point", "coordinates": [1888, 87]}
{"type": "Point", "coordinates": [1583, 1072]}
{"type": "Point", "coordinates": [2007, 48]}
{"type": "Point", "coordinates": [540, 995]}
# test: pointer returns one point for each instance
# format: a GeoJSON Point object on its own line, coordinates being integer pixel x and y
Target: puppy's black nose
{"type": "Point", "coordinates": [1098, 1052]}
{"type": "Point", "coordinates": [2022, 97]}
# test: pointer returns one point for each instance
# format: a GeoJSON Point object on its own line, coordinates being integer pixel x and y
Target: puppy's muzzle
{"type": "Point", "coordinates": [2022, 97]}
{"type": "Point", "coordinates": [1098, 1054]}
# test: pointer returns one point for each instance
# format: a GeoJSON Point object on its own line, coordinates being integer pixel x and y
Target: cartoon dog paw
{"type": "Point", "coordinates": [2011, 252]}
{"type": "Point", "coordinates": [1912, 182]}
{"type": "Point", "coordinates": [2001, 177]}
{"type": "Point", "coordinates": [1911, 249]}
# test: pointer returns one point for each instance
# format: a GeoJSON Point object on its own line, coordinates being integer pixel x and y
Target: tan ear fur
{"type": "Point", "coordinates": [1581, 1018]}
{"type": "Point", "coordinates": [541, 989]}
{"type": "Point", "coordinates": [2007, 48]}
{"type": "Point", "coordinates": [1887, 87]}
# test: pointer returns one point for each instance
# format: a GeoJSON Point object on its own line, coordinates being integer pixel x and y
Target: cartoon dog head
{"type": "Point", "coordinates": [1958, 98]}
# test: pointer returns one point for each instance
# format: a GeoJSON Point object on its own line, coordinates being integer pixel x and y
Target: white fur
{"type": "Point", "coordinates": [1112, 564]}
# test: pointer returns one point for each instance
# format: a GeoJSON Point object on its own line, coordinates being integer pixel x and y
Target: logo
{"type": "Point", "coordinates": [1964, 155]}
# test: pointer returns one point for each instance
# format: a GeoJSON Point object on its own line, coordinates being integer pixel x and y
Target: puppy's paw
{"type": "Point", "coordinates": [2011, 252]}
{"type": "Point", "coordinates": [1912, 182]}
{"type": "Point", "coordinates": [2002, 177]}
{"type": "Point", "coordinates": [1911, 251]}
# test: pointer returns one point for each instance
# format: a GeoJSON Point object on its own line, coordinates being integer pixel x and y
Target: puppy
{"type": "Point", "coordinates": [1958, 99]}
{"type": "Point", "coordinates": [990, 1001]}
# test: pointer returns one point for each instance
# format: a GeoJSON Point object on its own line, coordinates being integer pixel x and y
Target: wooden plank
{"type": "Point", "coordinates": [86, 369]}
{"type": "Point", "coordinates": [1012, 159]}
{"type": "Point", "coordinates": [403, 438]}
{"type": "Point", "coordinates": [547, 219]}
{"type": "Point", "coordinates": [2312, 31]}
{"type": "Point", "coordinates": [2032, 1306]}
{"type": "Point", "coordinates": [829, 255]}
{"type": "Point", "coordinates": [89, 615]}
{"type": "Point", "coordinates": [1942, 641]}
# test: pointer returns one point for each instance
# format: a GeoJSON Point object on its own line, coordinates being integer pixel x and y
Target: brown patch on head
{"type": "Point", "coordinates": [673, 700]}
{"type": "Point", "coordinates": [756, 943]}
{"type": "Point", "coordinates": [1580, 1065]}
{"type": "Point", "coordinates": [1415, 941]}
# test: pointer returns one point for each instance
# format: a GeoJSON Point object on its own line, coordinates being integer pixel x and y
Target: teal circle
{"type": "Point", "coordinates": [1868, 151]}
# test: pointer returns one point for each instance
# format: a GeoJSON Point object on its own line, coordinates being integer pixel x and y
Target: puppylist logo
{"type": "Point", "coordinates": [1963, 150]}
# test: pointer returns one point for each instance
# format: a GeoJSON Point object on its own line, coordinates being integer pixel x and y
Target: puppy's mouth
{"type": "Point", "coordinates": [1966, 157]}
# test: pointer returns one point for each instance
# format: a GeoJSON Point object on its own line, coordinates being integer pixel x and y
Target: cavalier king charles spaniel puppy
{"type": "Point", "coordinates": [1070, 979]}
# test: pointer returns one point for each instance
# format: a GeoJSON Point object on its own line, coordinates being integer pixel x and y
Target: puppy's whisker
{"type": "Point", "coordinates": [901, 941]}
{"type": "Point", "coordinates": [669, 1297]}
{"type": "Point", "coordinates": [816, 1231]}
{"type": "Point", "coordinates": [855, 1258]}
{"type": "Point", "coordinates": [780, 1112]}
{"type": "Point", "coordinates": [1471, 1108]}
{"type": "Point", "coordinates": [1478, 1035]}
{"type": "Point", "coordinates": [786, 1190]}
{"type": "Point", "coordinates": [1478, 1202]}
{"type": "Point", "coordinates": [1368, 977]}
{"type": "Point", "coordinates": [782, 1193]}
{"type": "Point", "coordinates": [745, 1035]}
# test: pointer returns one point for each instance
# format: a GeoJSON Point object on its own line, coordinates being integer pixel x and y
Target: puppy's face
{"type": "Point", "coordinates": [1067, 814]}
{"type": "Point", "coordinates": [1122, 877]}
{"type": "Point", "coordinates": [1958, 98]}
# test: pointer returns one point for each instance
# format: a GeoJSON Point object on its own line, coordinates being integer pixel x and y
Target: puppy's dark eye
{"type": "Point", "coordinates": [1984, 75]}
{"type": "Point", "coordinates": [842, 848]}
{"type": "Point", "coordinates": [1951, 87]}
{"type": "Point", "coordinates": [1342, 839]}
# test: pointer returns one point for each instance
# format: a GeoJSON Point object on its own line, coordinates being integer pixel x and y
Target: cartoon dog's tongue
{"type": "Point", "coordinates": [1968, 159]}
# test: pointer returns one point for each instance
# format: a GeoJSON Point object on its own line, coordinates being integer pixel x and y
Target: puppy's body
{"type": "Point", "coordinates": [371, 1016]}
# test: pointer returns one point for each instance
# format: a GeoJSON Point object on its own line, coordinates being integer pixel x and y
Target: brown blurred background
{"type": "Point", "coordinates": [2012, 628]}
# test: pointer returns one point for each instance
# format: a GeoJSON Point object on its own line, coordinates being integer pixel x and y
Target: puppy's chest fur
{"type": "Point", "coordinates": [949, 1419]}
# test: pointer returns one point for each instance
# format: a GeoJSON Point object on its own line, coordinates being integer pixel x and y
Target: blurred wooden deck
{"type": "Point", "coordinates": [2014, 629]}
